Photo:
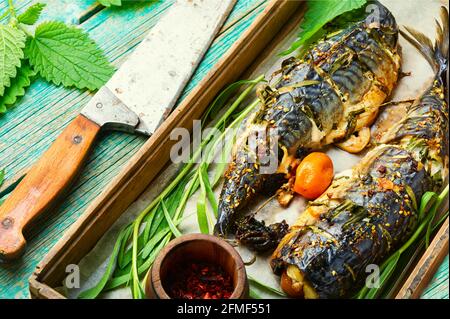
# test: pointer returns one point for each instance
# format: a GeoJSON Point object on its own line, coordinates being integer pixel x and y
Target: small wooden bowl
{"type": "Point", "coordinates": [196, 247]}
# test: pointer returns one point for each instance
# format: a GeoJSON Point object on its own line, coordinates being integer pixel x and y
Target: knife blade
{"type": "Point", "coordinates": [136, 99]}
{"type": "Point", "coordinates": [170, 59]}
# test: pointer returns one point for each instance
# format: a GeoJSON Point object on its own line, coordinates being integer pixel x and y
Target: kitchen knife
{"type": "Point", "coordinates": [136, 99]}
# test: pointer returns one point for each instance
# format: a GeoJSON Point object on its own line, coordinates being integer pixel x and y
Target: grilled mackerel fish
{"type": "Point", "coordinates": [366, 214]}
{"type": "Point", "coordinates": [325, 97]}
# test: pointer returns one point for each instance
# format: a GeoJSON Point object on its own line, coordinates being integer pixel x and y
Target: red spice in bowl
{"type": "Point", "coordinates": [197, 266]}
{"type": "Point", "coordinates": [199, 281]}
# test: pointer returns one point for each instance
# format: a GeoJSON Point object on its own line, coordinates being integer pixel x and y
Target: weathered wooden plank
{"type": "Point", "coordinates": [64, 103]}
{"type": "Point", "coordinates": [28, 130]}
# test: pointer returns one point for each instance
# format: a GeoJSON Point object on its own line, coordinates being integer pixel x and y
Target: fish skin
{"type": "Point", "coordinates": [318, 114]}
{"type": "Point", "coordinates": [356, 236]}
{"type": "Point", "coordinates": [367, 214]}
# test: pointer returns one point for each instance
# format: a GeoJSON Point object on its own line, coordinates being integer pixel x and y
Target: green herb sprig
{"type": "Point", "coordinates": [61, 54]}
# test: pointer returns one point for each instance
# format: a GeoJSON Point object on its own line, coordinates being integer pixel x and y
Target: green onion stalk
{"type": "Point", "coordinates": [137, 246]}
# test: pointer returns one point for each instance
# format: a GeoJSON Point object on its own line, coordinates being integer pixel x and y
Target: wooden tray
{"type": "Point", "coordinates": [270, 27]}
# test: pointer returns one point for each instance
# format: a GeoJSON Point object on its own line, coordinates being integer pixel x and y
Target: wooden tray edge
{"type": "Point", "coordinates": [423, 272]}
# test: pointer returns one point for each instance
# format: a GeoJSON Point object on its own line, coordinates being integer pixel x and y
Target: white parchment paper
{"type": "Point", "coordinates": [420, 14]}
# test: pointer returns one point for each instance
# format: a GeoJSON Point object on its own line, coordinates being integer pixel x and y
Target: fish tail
{"type": "Point", "coordinates": [425, 127]}
{"type": "Point", "coordinates": [436, 54]}
{"type": "Point", "coordinates": [442, 39]}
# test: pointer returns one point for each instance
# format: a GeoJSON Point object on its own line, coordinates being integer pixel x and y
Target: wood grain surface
{"type": "Point", "coordinates": [28, 129]}
{"type": "Point", "coordinates": [37, 192]}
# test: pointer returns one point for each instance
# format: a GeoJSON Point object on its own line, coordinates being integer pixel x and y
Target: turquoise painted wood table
{"type": "Point", "coordinates": [27, 130]}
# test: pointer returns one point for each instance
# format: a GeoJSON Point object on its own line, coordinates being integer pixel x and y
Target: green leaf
{"type": "Point", "coordinates": [66, 55]}
{"type": "Point", "coordinates": [320, 13]}
{"type": "Point", "coordinates": [172, 226]}
{"type": "Point", "coordinates": [125, 258]}
{"type": "Point", "coordinates": [275, 291]}
{"type": "Point", "coordinates": [208, 188]}
{"type": "Point", "coordinates": [119, 281]}
{"type": "Point", "coordinates": [148, 225]}
{"type": "Point", "coordinates": [108, 3]}
{"type": "Point", "coordinates": [156, 219]}
{"type": "Point", "coordinates": [173, 201]}
{"type": "Point", "coordinates": [32, 14]}
{"type": "Point", "coordinates": [123, 246]}
{"type": "Point", "coordinates": [97, 289]}
{"type": "Point", "coordinates": [202, 218]}
{"type": "Point", "coordinates": [433, 212]}
{"type": "Point", "coordinates": [426, 199]}
{"type": "Point", "coordinates": [253, 294]}
{"type": "Point", "coordinates": [12, 42]}
{"type": "Point", "coordinates": [148, 248]}
{"type": "Point", "coordinates": [18, 85]}
{"type": "Point", "coordinates": [386, 273]}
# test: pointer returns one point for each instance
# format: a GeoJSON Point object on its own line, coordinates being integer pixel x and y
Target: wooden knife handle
{"type": "Point", "coordinates": [43, 183]}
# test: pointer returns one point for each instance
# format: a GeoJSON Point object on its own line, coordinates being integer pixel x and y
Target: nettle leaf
{"type": "Point", "coordinates": [320, 13]}
{"type": "Point", "coordinates": [12, 42]}
{"type": "Point", "coordinates": [32, 14]}
{"type": "Point", "coordinates": [108, 3]}
{"type": "Point", "coordinates": [66, 55]}
{"type": "Point", "coordinates": [18, 85]}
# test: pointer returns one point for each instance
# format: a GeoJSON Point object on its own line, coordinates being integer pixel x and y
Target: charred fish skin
{"type": "Point", "coordinates": [319, 93]}
{"type": "Point", "coordinates": [376, 213]}
{"type": "Point", "coordinates": [321, 99]}
{"type": "Point", "coordinates": [239, 187]}
{"type": "Point", "coordinates": [259, 237]}
{"type": "Point", "coordinates": [364, 217]}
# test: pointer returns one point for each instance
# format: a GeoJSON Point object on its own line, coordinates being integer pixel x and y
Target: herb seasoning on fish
{"type": "Point", "coordinates": [363, 218]}
{"type": "Point", "coordinates": [200, 281]}
{"type": "Point", "coordinates": [324, 97]}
